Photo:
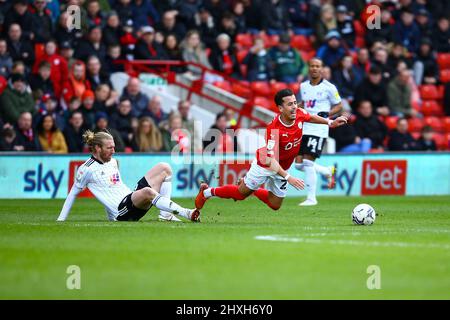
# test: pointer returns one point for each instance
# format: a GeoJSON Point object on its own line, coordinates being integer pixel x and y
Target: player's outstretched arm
{"type": "Point", "coordinates": [339, 121]}
{"type": "Point", "coordinates": [275, 166]}
{"type": "Point", "coordinates": [68, 203]}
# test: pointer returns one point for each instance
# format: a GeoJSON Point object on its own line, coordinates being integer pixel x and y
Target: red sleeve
{"type": "Point", "coordinates": [303, 116]}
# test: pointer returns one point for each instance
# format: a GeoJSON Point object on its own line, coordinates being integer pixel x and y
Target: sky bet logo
{"type": "Point", "coordinates": [40, 180]}
{"type": "Point", "coordinates": [189, 178]}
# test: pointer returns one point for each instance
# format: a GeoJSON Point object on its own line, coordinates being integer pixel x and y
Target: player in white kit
{"type": "Point", "coordinates": [100, 174]}
{"type": "Point", "coordinates": [319, 97]}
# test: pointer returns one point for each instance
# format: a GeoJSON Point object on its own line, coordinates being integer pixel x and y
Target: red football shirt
{"type": "Point", "coordinates": [282, 141]}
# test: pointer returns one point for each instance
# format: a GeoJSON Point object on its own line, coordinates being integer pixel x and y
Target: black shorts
{"type": "Point", "coordinates": [312, 145]}
{"type": "Point", "coordinates": [127, 211]}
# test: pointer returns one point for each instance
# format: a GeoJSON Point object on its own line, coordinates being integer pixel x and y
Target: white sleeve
{"type": "Point", "coordinates": [81, 181]}
{"type": "Point", "coordinates": [334, 95]}
{"type": "Point", "coordinates": [68, 203]}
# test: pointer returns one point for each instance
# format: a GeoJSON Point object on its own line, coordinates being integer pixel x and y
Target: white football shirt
{"type": "Point", "coordinates": [319, 98]}
{"type": "Point", "coordinates": [105, 182]}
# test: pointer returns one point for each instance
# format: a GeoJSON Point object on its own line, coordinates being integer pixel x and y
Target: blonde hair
{"type": "Point", "coordinates": [95, 139]}
{"type": "Point", "coordinates": [151, 141]}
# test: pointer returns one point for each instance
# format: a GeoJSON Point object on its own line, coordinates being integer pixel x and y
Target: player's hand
{"type": "Point", "coordinates": [339, 121]}
{"type": "Point", "coordinates": [298, 184]}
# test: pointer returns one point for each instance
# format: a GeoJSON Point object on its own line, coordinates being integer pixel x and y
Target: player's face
{"type": "Point", "coordinates": [107, 150]}
{"type": "Point", "coordinates": [289, 107]}
{"type": "Point", "coordinates": [315, 69]}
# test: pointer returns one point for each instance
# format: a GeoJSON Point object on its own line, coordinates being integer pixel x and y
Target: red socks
{"type": "Point", "coordinates": [232, 192]}
{"type": "Point", "coordinates": [228, 192]}
{"type": "Point", "coordinates": [263, 195]}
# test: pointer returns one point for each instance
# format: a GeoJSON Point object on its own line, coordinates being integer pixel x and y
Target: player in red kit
{"type": "Point", "coordinates": [283, 137]}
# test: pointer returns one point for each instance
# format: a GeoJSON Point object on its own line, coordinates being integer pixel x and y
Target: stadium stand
{"type": "Point", "coordinates": [120, 34]}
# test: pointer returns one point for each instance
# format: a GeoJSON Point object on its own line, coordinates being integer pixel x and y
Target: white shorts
{"type": "Point", "coordinates": [257, 176]}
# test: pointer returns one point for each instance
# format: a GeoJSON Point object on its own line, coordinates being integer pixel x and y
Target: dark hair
{"type": "Point", "coordinates": [316, 58]}
{"type": "Point", "coordinates": [40, 126]}
{"type": "Point", "coordinates": [220, 115]}
{"type": "Point", "coordinates": [280, 95]}
{"type": "Point", "coordinates": [427, 129]}
{"type": "Point", "coordinates": [45, 64]}
{"type": "Point", "coordinates": [375, 70]}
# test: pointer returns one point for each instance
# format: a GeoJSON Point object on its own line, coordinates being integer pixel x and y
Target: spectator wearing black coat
{"type": "Point", "coordinates": [147, 48]}
{"type": "Point", "coordinates": [20, 48]}
{"type": "Point", "coordinates": [73, 133]}
{"type": "Point", "coordinates": [26, 136]}
{"type": "Point", "coordinates": [42, 21]}
{"type": "Point", "coordinates": [258, 63]}
{"type": "Point", "coordinates": [112, 30]}
{"type": "Point", "coordinates": [345, 26]}
{"type": "Point", "coordinates": [92, 46]}
{"type": "Point", "coordinates": [41, 81]}
{"type": "Point", "coordinates": [223, 59]}
{"type": "Point", "coordinates": [19, 14]}
{"type": "Point", "coordinates": [275, 17]}
{"type": "Point", "coordinates": [400, 139]}
{"type": "Point", "coordinates": [373, 90]}
{"type": "Point", "coordinates": [426, 70]}
{"type": "Point", "coordinates": [95, 74]}
{"type": "Point", "coordinates": [384, 33]}
{"type": "Point", "coordinates": [367, 125]}
{"type": "Point", "coordinates": [346, 78]}
{"type": "Point", "coordinates": [170, 25]}
{"type": "Point", "coordinates": [122, 121]}
{"type": "Point", "coordinates": [406, 31]}
{"type": "Point", "coordinates": [441, 34]}
{"type": "Point", "coordinates": [426, 142]}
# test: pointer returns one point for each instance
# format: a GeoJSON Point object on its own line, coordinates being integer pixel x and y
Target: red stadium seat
{"type": "Point", "coordinates": [307, 55]}
{"type": "Point", "coordinates": [448, 140]}
{"type": "Point", "coordinates": [245, 40]}
{"type": "Point", "coordinates": [443, 60]}
{"type": "Point", "coordinates": [445, 75]}
{"type": "Point", "coordinates": [295, 87]}
{"type": "Point", "coordinates": [264, 102]}
{"type": "Point", "coordinates": [301, 42]}
{"type": "Point", "coordinates": [277, 86]}
{"type": "Point", "coordinates": [431, 108]}
{"type": "Point", "coordinates": [435, 123]}
{"type": "Point", "coordinates": [240, 89]}
{"type": "Point", "coordinates": [271, 41]}
{"type": "Point", "coordinates": [391, 122]}
{"type": "Point", "coordinates": [440, 90]}
{"type": "Point", "coordinates": [447, 124]}
{"type": "Point", "coordinates": [415, 124]}
{"type": "Point", "coordinates": [225, 85]}
{"type": "Point", "coordinates": [429, 92]}
{"type": "Point", "coordinates": [240, 55]}
{"type": "Point", "coordinates": [441, 141]}
{"type": "Point", "coordinates": [261, 88]}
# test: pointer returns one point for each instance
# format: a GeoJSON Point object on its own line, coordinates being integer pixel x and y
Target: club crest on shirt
{"type": "Point", "coordinates": [115, 178]}
{"type": "Point", "coordinates": [300, 125]}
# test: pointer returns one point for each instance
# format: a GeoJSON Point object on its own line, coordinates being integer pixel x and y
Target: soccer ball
{"type": "Point", "coordinates": [363, 214]}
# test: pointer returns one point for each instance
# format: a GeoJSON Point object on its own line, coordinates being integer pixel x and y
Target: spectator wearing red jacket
{"type": "Point", "coordinates": [58, 71]}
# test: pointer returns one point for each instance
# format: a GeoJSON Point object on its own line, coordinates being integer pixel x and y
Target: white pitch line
{"type": "Point", "coordinates": [282, 238]}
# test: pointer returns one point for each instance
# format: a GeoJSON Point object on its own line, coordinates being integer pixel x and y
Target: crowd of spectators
{"type": "Point", "coordinates": [55, 78]}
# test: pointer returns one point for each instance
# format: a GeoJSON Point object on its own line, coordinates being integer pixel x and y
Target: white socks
{"type": "Point", "coordinates": [166, 191]}
{"type": "Point", "coordinates": [207, 193]}
{"type": "Point", "coordinates": [310, 179]}
{"type": "Point", "coordinates": [325, 171]}
{"type": "Point", "coordinates": [165, 204]}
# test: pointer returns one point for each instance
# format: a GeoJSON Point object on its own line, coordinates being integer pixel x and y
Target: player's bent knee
{"type": "Point", "coordinates": [166, 168]}
{"type": "Point", "coordinates": [149, 193]}
{"type": "Point", "coordinates": [274, 207]}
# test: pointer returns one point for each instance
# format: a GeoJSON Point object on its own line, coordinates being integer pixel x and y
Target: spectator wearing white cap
{"type": "Point", "coordinates": [146, 47]}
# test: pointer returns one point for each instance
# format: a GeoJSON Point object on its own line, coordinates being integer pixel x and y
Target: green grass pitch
{"type": "Point", "coordinates": [239, 251]}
